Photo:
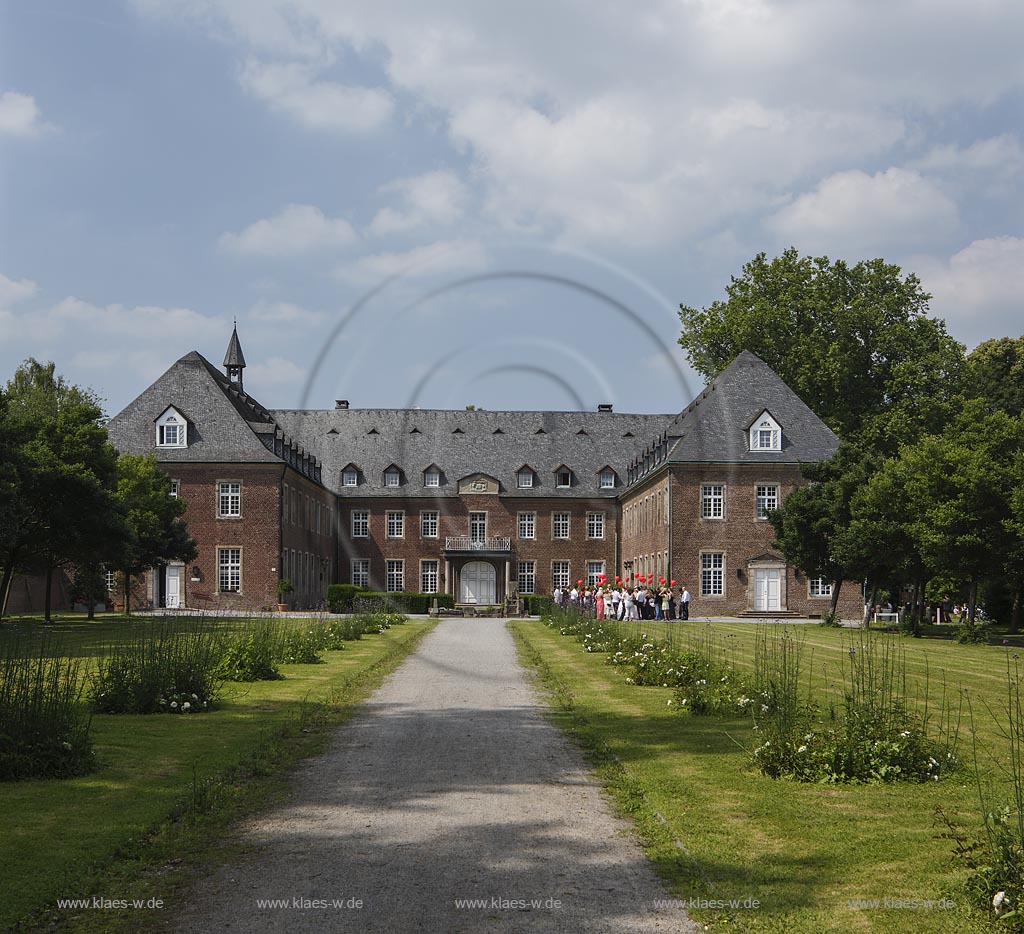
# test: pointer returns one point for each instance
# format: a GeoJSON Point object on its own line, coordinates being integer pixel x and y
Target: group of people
{"type": "Point", "coordinates": [624, 602]}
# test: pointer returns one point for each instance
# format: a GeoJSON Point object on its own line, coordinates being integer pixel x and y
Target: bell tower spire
{"type": "Point", "coordinates": [234, 359]}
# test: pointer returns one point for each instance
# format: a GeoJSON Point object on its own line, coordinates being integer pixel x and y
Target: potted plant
{"type": "Point", "coordinates": [284, 587]}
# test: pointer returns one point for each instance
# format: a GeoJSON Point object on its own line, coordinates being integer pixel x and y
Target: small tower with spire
{"type": "Point", "coordinates": [234, 359]}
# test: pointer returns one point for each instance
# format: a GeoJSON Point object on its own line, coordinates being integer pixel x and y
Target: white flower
{"type": "Point", "coordinates": [174, 705]}
{"type": "Point", "coordinates": [802, 749]}
{"type": "Point", "coordinates": [1000, 902]}
{"type": "Point", "coordinates": [905, 734]}
{"type": "Point", "coordinates": [764, 708]}
{"type": "Point", "coordinates": [195, 697]}
{"type": "Point", "coordinates": [670, 703]}
{"type": "Point", "coordinates": [186, 706]}
{"type": "Point", "coordinates": [683, 702]}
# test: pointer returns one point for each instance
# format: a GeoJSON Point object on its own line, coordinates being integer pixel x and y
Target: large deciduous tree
{"type": "Point", "coordinates": [854, 342]}
{"type": "Point", "coordinates": [995, 373]}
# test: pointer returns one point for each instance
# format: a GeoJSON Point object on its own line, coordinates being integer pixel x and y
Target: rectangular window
{"type": "Point", "coordinates": [428, 577]}
{"type": "Point", "coordinates": [431, 478]}
{"type": "Point", "coordinates": [712, 501]}
{"type": "Point", "coordinates": [175, 489]}
{"type": "Point", "coordinates": [564, 478]}
{"type": "Point", "coordinates": [559, 525]}
{"type": "Point", "coordinates": [478, 527]}
{"type": "Point", "coordinates": [595, 525]}
{"type": "Point", "coordinates": [767, 499]}
{"type": "Point", "coordinates": [229, 570]}
{"type": "Point", "coordinates": [360, 523]}
{"type": "Point", "coordinates": [350, 477]}
{"type": "Point", "coordinates": [361, 572]}
{"type": "Point", "coordinates": [527, 525]}
{"type": "Point", "coordinates": [395, 524]}
{"type": "Point", "coordinates": [527, 576]}
{"type": "Point", "coordinates": [559, 574]}
{"type": "Point", "coordinates": [607, 479]}
{"type": "Point", "coordinates": [391, 477]}
{"type": "Point", "coordinates": [110, 579]}
{"type": "Point", "coordinates": [524, 479]}
{"type": "Point", "coordinates": [712, 573]}
{"type": "Point", "coordinates": [170, 436]}
{"type": "Point", "coordinates": [229, 499]}
{"type": "Point", "coordinates": [594, 570]}
{"type": "Point", "coordinates": [428, 525]}
{"type": "Point", "coordinates": [819, 587]}
{"type": "Point", "coordinates": [395, 578]}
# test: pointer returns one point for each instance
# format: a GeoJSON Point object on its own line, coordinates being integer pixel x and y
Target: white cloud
{"type": "Point", "coordinates": [20, 116]}
{"type": "Point", "coordinates": [431, 199]}
{"type": "Point", "coordinates": [74, 318]}
{"type": "Point", "coordinates": [292, 89]}
{"type": "Point", "coordinates": [298, 228]}
{"type": "Point", "coordinates": [12, 291]}
{"type": "Point", "coordinates": [274, 371]}
{"type": "Point", "coordinates": [441, 257]}
{"type": "Point", "coordinates": [979, 289]}
{"type": "Point", "coordinates": [285, 313]}
{"type": "Point", "coordinates": [1000, 154]}
{"type": "Point", "coordinates": [851, 211]}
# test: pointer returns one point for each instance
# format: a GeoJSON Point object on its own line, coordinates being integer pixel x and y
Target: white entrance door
{"type": "Point", "coordinates": [173, 586]}
{"type": "Point", "coordinates": [767, 589]}
{"type": "Point", "coordinates": [477, 583]}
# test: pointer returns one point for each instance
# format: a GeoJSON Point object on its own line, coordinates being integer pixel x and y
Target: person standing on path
{"type": "Point", "coordinates": [684, 604]}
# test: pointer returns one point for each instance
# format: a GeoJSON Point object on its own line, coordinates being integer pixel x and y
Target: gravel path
{"type": "Point", "coordinates": [448, 785]}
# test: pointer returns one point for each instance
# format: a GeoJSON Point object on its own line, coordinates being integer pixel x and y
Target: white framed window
{"type": "Point", "coordinates": [394, 578]}
{"type": "Point", "coordinates": [478, 527]}
{"type": "Point", "coordinates": [765, 434]}
{"type": "Point", "coordinates": [594, 570]}
{"type": "Point", "coordinates": [229, 570]}
{"type": "Point", "coordinates": [595, 525]}
{"type": "Point", "coordinates": [712, 501]}
{"type": "Point", "coordinates": [392, 476]}
{"type": "Point", "coordinates": [175, 489]}
{"type": "Point", "coordinates": [712, 573]}
{"type": "Point", "coordinates": [559, 525]}
{"type": "Point", "coordinates": [110, 580]}
{"type": "Point", "coordinates": [350, 477]}
{"type": "Point", "coordinates": [360, 523]}
{"type": "Point", "coordinates": [428, 524]}
{"type": "Point", "coordinates": [395, 524]}
{"type": "Point", "coordinates": [431, 477]}
{"type": "Point", "coordinates": [527, 574]}
{"type": "Point", "coordinates": [766, 499]}
{"type": "Point", "coordinates": [559, 574]}
{"type": "Point", "coordinates": [563, 477]}
{"type": "Point", "coordinates": [524, 478]}
{"type": "Point", "coordinates": [229, 498]}
{"type": "Point", "coordinates": [428, 577]}
{"type": "Point", "coordinates": [171, 429]}
{"type": "Point", "coordinates": [607, 479]}
{"type": "Point", "coordinates": [361, 572]}
{"type": "Point", "coordinates": [527, 525]}
{"type": "Point", "coordinates": [819, 587]}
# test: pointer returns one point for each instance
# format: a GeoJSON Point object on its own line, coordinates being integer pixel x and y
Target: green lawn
{"type": "Point", "coordinates": [167, 784]}
{"type": "Point", "coordinates": [804, 852]}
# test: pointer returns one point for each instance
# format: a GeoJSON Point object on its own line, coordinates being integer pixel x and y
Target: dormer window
{"type": "Point", "coordinates": [350, 476]}
{"type": "Point", "coordinates": [171, 429]}
{"type": "Point", "coordinates": [765, 433]}
{"type": "Point", "coordinates": [607, 479]}
{"type": "Point", "coordinates": [563, 477]}
{"type": "Point", "coordinates": [392, 476]}
{"type": "Point", "coordinates": [431, 477]}
{"type": "Point", "coordinates": [524, 478]}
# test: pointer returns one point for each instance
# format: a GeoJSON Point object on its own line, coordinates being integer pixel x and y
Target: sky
{"type": "Point", "coordinates": [496, 204]}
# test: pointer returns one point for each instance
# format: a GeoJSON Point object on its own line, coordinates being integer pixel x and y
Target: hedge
{"type": "Point", "coordinates": [340, 597]}
{"type": "Point", "coordinates": [537, 605]}
{"type": "Point", "coordinates": [403, 602]}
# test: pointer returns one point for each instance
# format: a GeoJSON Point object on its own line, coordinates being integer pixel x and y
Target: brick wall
{"type": "Point", "coordinates": [309, 557]}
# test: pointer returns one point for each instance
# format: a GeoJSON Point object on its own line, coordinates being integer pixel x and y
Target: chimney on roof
{"type": "Point", "coordinates": [604, 407]}
{"type": "Point", "coordinates": [234, 359]}
{"type": "Point", "coordinates": [341, 403]}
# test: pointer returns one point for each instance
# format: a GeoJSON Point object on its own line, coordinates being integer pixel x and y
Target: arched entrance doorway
{"type": "Point", "coordinates": [477, 583]}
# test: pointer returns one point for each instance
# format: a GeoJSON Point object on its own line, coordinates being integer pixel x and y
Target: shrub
{"type": "Point", "coordinates": [407, 603]}
{"type": "Point", "coordinates": [158, 667]}
{"type": "Point", "coordinates": [253, 654]}
{"type": "Point", "coordinates": [44, 726]}
{"type": "Point", "coordinates": [340, 597]}
{"type": "Point", "coordinates": [300, 645]}
{"type": "Point", "coordinates": [537, 604]}
{"type": "Point", "coordinates": [378, 621]}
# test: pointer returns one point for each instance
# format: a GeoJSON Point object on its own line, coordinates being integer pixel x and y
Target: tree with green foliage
{"type": "Point", "coordinates": [854, 342]}
{"type": "Point", "coordinates": [995, 373]}
{"type": "Point", "coordinates": [156, 531]}
{"type": "Point", "coordinates": [63, 473]}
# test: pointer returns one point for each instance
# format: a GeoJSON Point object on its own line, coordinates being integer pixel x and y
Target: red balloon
{"type": "Point", "coordinates": [673, 583]}
{"type": "Point", "coordinates": [579, 583]}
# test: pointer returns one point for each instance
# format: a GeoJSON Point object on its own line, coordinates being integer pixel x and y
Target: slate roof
{"type": "Point", "coordinates": [225, 425]}
{"type": "Point", "coordinates": [462, 443]}
{"type": "Point", "coordinates": [713, 429]}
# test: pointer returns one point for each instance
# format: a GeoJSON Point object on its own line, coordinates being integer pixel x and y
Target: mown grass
{"type": "Point", "coordinates": [804, 852]}
{"type": "Point", "coordinates": [166, 785]}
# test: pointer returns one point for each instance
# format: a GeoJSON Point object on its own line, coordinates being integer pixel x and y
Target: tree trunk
{"type": "Point", "coordinates": [973, 603]}
{"type": "Point", "coordinates": [914, 604]}
{"type": "Point", "coordinates": [47, 599]}
{"type": "Point", "coordinates": [866, 622]}
{"type": "Point", "coordinates": [127, 594]}
{"type": "Point", "coordinates": [836, 585]}
{"type": "Point", "coordinates": [1015, 611]}
{"type": "Point", "coordinates": [5, 584]}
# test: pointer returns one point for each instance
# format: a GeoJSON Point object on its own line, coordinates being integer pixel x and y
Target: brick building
{"type": "Point", "coordinates": [478, 504]}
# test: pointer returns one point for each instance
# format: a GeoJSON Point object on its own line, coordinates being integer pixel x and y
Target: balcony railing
{"type": "Point", "coordinates": [468, 543]}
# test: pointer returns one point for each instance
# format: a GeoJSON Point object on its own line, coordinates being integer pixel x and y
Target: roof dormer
{"type": "Point", "coordinates": [765, 433]}
{"type": "Point", "coordinates": [171, 429]}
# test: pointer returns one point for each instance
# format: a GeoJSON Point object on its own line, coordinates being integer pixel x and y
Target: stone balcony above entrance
{"type": "Point", "coordinates": [468, 545]}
